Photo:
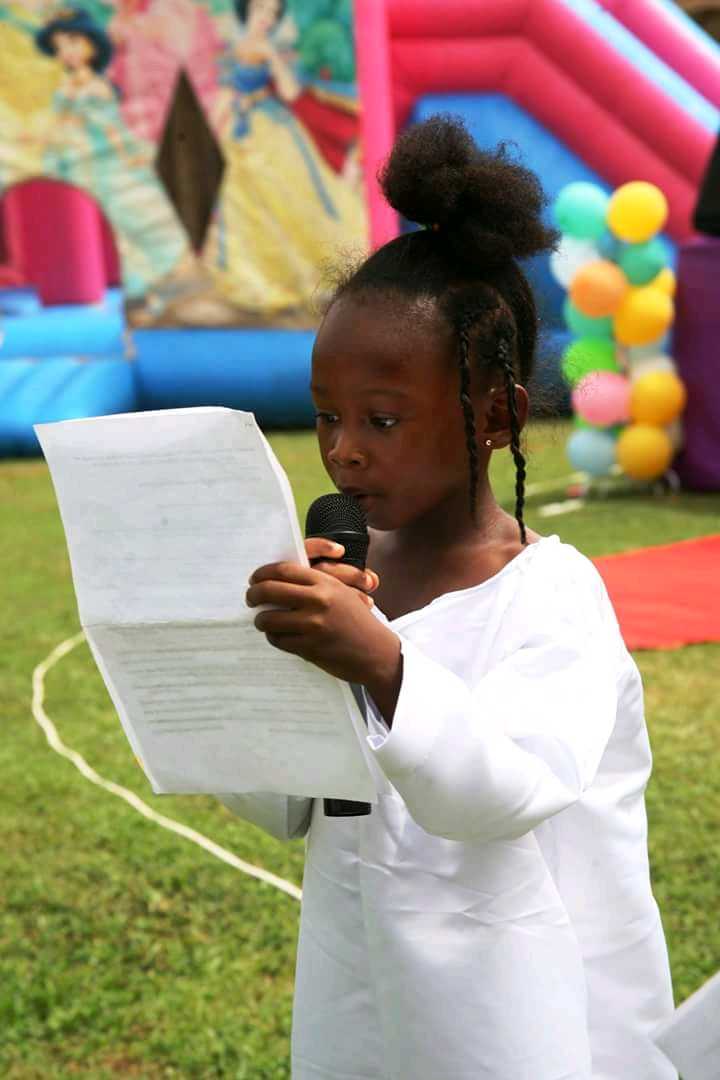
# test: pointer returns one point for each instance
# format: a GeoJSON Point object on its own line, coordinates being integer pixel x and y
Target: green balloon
{"type": "Point", "coordinates": [643, 262]}
{"type": "Point", "coordinates": [613, 430]}
{"type": "Point", "coordinates": [580, 210]}
{"type": "Point", "coordinates": [588, 354]}
{"type": "Point", "coordinates": [584, 325]}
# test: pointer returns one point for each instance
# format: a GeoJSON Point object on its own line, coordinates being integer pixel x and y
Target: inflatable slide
{"type": "Point", "coordinates": [611, 91]}
{"type": "Point", "coordinates": [605, 92]}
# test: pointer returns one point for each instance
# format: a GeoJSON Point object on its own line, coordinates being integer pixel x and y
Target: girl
{"type": "Point", "coordinates": [493, 917]}
{"type": "Point", "coordinates": [283, 209]}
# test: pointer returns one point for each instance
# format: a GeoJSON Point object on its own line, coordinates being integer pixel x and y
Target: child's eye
{"type": "Point", "coordinates": [384, 423]}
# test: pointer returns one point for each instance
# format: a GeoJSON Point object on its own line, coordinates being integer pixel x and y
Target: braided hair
{"type": "Point", "coordinates": [482, 212]}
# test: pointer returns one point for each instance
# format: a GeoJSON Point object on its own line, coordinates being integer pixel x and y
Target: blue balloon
{"type": "Point", "coordinates": [591, 451]}
{"type": "Point", "coordinates": [609, 246]}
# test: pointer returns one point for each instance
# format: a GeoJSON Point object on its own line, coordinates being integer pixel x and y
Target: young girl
{"type": "Point", "coordinates": [492, 917]}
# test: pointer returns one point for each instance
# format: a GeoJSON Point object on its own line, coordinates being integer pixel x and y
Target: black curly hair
{"type": "Point", "coordinates": [482, 212]}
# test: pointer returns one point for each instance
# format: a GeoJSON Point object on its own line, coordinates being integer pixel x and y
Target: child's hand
{"type": "Point", "coordinates": [365, 581]}
{"type": "Point", "coordinates": [325, 622]}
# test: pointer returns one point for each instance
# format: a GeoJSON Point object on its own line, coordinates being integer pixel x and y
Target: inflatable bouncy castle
{"type": "Point", "coordinates": [214, 156]}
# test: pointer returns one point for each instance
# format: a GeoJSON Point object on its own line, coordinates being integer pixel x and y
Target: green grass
{"type": "Point", "coordinates": [127, 951]}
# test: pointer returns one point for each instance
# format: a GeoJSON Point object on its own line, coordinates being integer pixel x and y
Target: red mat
{"type": "Point", "coordinates": [666, 596]}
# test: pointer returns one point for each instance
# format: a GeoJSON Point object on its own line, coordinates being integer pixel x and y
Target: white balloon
{"type": "Point", "coordinates": [655, 348]}
{"type": "Point", "coordinates": [570, 256]}
{"type": "Point", "coordinates": [646, 364]}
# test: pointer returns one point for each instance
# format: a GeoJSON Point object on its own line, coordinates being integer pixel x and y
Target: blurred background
{"type": "Point", "coordinates": [179, 182]}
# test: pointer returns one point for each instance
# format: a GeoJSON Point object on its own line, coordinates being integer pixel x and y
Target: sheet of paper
{"type": "Point", "coordinates": [691, 1037]}
{"type": "Point", "coordinates": [166, 515]}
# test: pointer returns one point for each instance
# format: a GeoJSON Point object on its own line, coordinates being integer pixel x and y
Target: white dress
{"type": "Point", "coordinates": [492, 919]}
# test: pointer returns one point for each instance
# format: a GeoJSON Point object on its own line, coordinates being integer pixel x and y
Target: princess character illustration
{"type": "Point", "coordinates": [90, 145]}
{"type": "Point", "coordinates": [283, 210]}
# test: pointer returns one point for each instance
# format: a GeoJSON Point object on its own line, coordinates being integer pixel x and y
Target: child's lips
{"type": "Point", "coordinates": [357, 493]}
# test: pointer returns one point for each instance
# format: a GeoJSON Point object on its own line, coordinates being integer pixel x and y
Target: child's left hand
{"type": "Point", "coordinates": [324, 621]}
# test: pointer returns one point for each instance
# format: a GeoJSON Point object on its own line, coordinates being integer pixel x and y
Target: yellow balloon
{"type": "Point", "coordinates": [643, 316]}
{"type": "Point", "coordinates": [598, 288]}
{"type": "Point", "coordinates": [637, 211]}
{"type": "Point", "coordinates": [644, 452]}
{"type": "Point", "coordinates": [657, 398]}
{"type": "Point", "coordinates": [665, 281]}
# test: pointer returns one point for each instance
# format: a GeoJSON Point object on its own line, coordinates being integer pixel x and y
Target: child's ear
{"type": "Point", "coordinates": [497, 414]}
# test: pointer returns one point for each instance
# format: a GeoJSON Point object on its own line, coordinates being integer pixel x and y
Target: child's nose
{"type": "Point", "coordinates": [346, 452]}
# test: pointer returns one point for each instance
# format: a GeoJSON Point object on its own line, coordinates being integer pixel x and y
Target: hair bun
{"type": "Point", "coordinates": [482, 200]}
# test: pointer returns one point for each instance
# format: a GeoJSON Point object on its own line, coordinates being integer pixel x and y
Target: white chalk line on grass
{"type": "Point", "coordinates": [56, 743]}
{"type": "Point", "coordinates": [553, 485]}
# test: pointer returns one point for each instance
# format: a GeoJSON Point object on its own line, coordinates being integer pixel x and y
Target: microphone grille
{"type": "Point", "coordinates": [334, 512]}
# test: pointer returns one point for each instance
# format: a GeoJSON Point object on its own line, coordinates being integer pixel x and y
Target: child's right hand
{"type": "Point", "coordinates": [365, 581]}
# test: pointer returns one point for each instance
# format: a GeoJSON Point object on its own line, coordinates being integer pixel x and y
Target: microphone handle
{"type": "Point", "coordinates": [344, 807]}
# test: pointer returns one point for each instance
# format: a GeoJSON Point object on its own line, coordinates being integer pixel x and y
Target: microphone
{"type": "Point", "coordinates": [342, 519]}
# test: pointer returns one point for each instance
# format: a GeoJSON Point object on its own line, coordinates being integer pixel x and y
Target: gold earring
{"type": "Point", "coordinates": [488, 442]}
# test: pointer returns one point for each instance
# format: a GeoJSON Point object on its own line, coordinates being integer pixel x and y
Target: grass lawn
{"type": "Point", "coordinates": [128, 951]}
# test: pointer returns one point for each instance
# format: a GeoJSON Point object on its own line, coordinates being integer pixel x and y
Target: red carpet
{"type": "Point", "coordinates": [666, 596]}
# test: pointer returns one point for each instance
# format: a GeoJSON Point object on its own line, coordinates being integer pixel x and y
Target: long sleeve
{"type": "Point", "coordinates": [286, 817]}
{"type": "Point", "coordinates": [492, 761]}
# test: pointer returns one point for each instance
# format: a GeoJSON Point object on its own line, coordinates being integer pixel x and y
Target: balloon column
{"type": "Point", "coordinates": [626, 394]}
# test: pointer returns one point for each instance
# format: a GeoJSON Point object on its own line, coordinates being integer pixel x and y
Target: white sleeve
{"type": "Point", "coordinates": [286, 817]}
{"type": "Point", "coordinates": [492, 762]}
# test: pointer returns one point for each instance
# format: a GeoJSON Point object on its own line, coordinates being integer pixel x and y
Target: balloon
{"type": "Point", "coordinates": [641, 263]}
{"type": "Point", "coordinates": [644, 452]}
{"type": "Point", "coordinates": [580, 210]}
{"type": "Point", "coordinates": [642, 352]}
{"type": "Point", "coordinates": [584, 325]}
{"type": "Point", "coordinates": [602, 398]}
{"type": "Point", "coordinates": [586, 355]}
{"type": "Point", "coordinates": [591, 451]}
{"type": "Point", "coordinates": [644, 314]}
{"type": "Point", "coordinates": [637, 211]}
{"type": "Point", "coordinates": [650, 362]}
{"type": "Point", "coordinates": [570, 256]}
{"type": "Point", "coordinates": [658, 397]}
{"type": "Point", "coordinates": [609, 247]}
{"type": "Point", "coordinates": [583, 425]}
{"type": "Point", "coordinates": [598, 288]}
{"type": "Point", "coordinates": [665, 281]}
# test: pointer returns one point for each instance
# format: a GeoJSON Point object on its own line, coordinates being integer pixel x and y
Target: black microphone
{"type": "Point", "coordinates": [342, 519]}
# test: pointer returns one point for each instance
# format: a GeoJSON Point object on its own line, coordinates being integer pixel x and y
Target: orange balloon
{"type": "Point", "coordinates": [598, 288]}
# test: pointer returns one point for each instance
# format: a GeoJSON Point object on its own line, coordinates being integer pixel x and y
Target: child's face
{"type": "Point", "coordinates": [262, 15]}
{"type": "Point", "coordinates": [390, 423]}
{"type": "Point", "coordinates": [73, 50]}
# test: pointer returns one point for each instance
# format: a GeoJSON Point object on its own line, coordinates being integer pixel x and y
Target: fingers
{"type": "Point", "coordinates": [318, 546]}
{"type": "Point", "coordinates": [294, 573]}
{"type": "Point", "coordinates": [280, 593]}
{"type": "Point", "coordinates": [289, 586]}
{"type": "Point", "coordinates": [291, 572]}
{"type": "Point", "coordinates": [286, 595]}
{"type": "Point", "coordinates": [364, 580]}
